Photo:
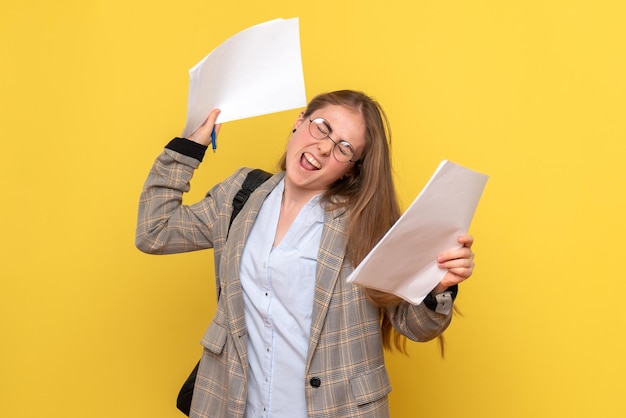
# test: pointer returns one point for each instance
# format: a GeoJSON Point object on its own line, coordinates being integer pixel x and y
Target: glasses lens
{"type": "Point", "coordinates": [319, 128]}
{"type": "Point", "coordinates": [343, 151]}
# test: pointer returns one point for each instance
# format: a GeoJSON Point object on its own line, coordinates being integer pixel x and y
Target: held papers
{"type": "Point", "coordinates": [404, 260]}
{"type": "Point", "coordinates": [255, 72]}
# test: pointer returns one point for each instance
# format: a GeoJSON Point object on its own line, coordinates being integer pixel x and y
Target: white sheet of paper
{"type": "Point", "coordinates": [404, 260]}
{"type": "Point", "coordinates": [255, 72]}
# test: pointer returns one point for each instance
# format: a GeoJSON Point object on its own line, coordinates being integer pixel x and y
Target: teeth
{"type": "Point", "coordinates": [312, 160]}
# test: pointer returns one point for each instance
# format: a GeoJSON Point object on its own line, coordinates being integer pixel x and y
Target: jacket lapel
{"type": "Point", "coordinates": [330, 261]}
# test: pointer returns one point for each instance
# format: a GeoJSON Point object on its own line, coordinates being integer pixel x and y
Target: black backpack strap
{"type": "Point", "coordinates": [253, 180]}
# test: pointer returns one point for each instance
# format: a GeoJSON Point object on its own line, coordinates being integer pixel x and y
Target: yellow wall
{"type": "Point", "coordinates": [530, 92]}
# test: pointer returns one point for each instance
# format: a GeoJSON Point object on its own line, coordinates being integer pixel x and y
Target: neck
{"type": "Point", "coordinates": [294, 198]}
{"type": "Point", "coordinates": [291, 204]}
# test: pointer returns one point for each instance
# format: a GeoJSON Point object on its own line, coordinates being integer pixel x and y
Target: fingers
{"type": "Point", "coordinates": [202, 135]}
{"type": "Point", "coordinates": [213, 117]}
{"type": "Point", "coordinates": [463, 252]}
{"type": "Point", "coordinates": [458, 270]}
{"type": "Point", "coordinates": [462, 267]}
{"type": "Point", "coordinates": [459, 262]}
{"type": "Point", "coordinates": [466, 240]}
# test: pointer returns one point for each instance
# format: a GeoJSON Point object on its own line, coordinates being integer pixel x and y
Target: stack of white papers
{"type": "Point", "coordinates": [255, 72]}
{"type": "Point", "coordinates": [404, 262]}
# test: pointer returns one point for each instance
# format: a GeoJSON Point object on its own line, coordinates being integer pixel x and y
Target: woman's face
{"type": "Point", "coordinates": [310, 163]}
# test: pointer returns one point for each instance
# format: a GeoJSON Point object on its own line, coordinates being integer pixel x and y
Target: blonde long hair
{"type": "Point", "coordinates": [368, 193]}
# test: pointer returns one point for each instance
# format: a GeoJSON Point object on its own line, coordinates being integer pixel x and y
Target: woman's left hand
{"type": "Point", "coordinates": [459, 262]}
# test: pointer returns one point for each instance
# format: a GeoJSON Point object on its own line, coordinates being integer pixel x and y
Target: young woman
{"type": "Point", "coordinates": [290, 338]}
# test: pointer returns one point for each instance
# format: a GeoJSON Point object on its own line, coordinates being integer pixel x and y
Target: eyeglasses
{"type": "Point", "coordinates": [319, 128]}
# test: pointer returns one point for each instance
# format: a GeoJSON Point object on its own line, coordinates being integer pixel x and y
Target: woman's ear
{"type": "Point", "coordinates": [299, 121]}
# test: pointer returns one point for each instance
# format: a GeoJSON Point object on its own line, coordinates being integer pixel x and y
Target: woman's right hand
{"type": "Point", "coordinates": [202, 135]}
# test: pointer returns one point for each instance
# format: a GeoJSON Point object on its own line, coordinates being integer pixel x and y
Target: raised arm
{"type": "Point", "coordinates": [164, 224]}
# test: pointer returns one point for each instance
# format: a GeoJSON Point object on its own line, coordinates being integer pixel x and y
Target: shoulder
{"type": "Point", "coordinates": [230, 184]}
{"type": "Point", "coordinates": [226, 190]}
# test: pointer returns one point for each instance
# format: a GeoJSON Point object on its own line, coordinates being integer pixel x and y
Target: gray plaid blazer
{"type": "Point", "coordinates": [345, 372]}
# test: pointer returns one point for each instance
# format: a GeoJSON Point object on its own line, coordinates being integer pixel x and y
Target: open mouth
{"type": "Point", "coordinates": [309, 162]}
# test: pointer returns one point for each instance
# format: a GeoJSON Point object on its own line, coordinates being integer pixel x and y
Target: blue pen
{"type": "Point", "coordinates": [213, 140]}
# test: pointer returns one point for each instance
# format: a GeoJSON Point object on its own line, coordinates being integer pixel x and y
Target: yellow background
{"type": "Point", "coordinates": [529, 92]}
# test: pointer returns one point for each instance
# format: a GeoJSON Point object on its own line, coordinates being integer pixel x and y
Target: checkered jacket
{"type": "Point", "coordinates": [345, 372]}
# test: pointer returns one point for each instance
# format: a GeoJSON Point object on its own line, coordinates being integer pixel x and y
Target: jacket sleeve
{"type": "Point", "coordinates": [418, 322]}
{"type": "Point", "coordinates": [164, 224]}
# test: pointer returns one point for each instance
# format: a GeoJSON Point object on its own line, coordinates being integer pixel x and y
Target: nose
{"type": "Point", "coordinates": [325, 146]}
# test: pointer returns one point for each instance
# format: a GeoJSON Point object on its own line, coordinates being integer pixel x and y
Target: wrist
{"type": "Point", "coordinates": [439, 289]}
{"type": "Point", "coordinates": [187, 147]}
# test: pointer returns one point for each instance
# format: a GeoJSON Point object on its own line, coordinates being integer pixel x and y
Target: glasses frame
{"type": "Point", "coordinates": [315, 132]}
